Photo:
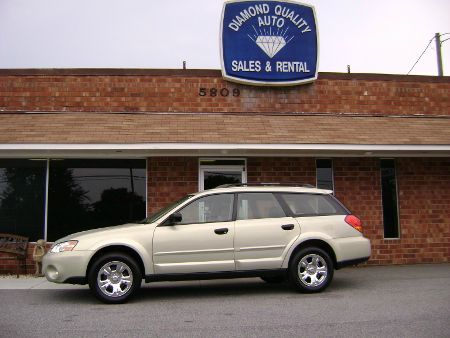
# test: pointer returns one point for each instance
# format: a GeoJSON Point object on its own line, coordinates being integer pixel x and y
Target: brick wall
{"type": "Point", "coordinates": [283, 170]}
{"type": "Point", "coordinates": [424, 207]}
{"type": "Point", "coordinates": [169, 179]}
{"type": "Point", "coordinates": [424, 198]}
{"type": "Point", "coordinates": [357, 184]}
{"type": "Point", "coordinates": [178, 91]}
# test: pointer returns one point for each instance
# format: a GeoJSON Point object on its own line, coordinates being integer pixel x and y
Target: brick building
{"type": "Point", "coordinates": [84, 148]}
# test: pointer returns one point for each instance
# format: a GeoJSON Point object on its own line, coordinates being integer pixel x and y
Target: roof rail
{"type": "Point", "coordinates": [266, 184]}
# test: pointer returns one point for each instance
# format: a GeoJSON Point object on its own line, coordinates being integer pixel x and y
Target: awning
{"type": "Point", "coordinates": [157, 134]}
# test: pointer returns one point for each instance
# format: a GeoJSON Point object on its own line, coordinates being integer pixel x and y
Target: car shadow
{"type": "Point", "coordinates": [211, 289]}
{"type": "Point", "coordinates": [181, 290]}
{"type": "Point", "coordinates": [207, 290]}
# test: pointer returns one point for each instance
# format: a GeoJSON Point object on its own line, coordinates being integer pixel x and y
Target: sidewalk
{"type": "Point", "coordinates": [28, 282]}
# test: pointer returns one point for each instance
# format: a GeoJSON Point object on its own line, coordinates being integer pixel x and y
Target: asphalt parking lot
{"type": "Point", "coordinates": [393, 301]}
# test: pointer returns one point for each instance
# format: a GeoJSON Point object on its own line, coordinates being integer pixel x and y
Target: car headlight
{"type": "Point", "coordinates": [64, 246]}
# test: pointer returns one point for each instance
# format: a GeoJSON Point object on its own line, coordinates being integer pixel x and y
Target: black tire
{"type": "Point", "coordinates": [311, 270]}
{"type": "Point", "coordinates": [274, 279]}
{"type": "Point", "coordinates": [120, 284]}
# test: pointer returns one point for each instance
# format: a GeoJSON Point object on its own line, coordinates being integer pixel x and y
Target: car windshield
{"type": "Point", "coordinates": [157, 215]}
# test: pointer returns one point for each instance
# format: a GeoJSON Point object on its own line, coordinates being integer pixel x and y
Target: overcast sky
{"type": "Point", "coordinates": [383, 36]}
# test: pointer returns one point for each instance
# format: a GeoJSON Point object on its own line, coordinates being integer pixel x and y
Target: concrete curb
{"type": "Point", "coordinates": [32, 283]}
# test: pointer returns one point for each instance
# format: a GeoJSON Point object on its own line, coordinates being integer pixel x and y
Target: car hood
{"type": "Point", "coordinates": [108, 230]}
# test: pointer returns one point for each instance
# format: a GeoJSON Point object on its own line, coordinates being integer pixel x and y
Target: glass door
{"type": "Point", "coordinates": [215, 172]}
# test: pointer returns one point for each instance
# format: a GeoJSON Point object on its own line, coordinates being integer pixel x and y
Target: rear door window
{"type": "Point", "coordinates": [313, 204]}
{"type": "Point", "coordinates": [258, 205]}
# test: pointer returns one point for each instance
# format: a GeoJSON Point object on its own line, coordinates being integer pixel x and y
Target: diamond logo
{"type": "Point", "coordinates": [270, 41]}
{"type": "Point", "coordinates": [271, 45]}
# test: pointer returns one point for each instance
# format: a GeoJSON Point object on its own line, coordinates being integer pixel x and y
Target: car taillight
{"type": "Point", "coordinates": [354, 221]}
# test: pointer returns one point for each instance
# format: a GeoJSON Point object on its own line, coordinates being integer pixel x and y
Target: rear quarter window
{"type": "Point", "coordinates": [304, 204]}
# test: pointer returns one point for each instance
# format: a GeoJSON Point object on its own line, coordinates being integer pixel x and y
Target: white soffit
{"type": "Point", "coordinates": [223, 149]}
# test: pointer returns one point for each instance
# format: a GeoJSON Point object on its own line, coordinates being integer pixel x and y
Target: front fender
{"type": "Point", "coordinates": [133, 245]}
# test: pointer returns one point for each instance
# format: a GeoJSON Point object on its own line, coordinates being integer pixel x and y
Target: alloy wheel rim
{"type": "Point", "coordinates": [312, 270]}
{"type": "Point", "coordinates": [115, 279]}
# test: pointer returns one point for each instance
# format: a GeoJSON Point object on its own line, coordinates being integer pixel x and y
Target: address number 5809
{"type": "Point", "coordinates": [219, 92]}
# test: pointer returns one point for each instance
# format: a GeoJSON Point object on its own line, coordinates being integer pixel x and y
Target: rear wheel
{"type": "Point", "coordinates": [114, 278]}
{"type": "Point", "coordinates": [311, 270]}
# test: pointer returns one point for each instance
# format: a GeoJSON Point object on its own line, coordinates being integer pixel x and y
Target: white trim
{"type": "Point", "coordinates": [224, 146]}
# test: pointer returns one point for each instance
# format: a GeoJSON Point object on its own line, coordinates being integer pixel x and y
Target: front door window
{"type": "Point", "coordinates": [209, 209]}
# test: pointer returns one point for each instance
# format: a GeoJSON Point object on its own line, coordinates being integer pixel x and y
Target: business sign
{"type": "Point", "coordinates": [269, 42]}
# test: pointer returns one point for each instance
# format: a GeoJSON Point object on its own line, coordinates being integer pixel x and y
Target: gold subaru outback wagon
{"type": "Point", "coordinates": [297, 234]}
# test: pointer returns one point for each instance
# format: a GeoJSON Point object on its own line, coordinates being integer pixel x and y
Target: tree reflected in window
{"type": "Point", "coordinates": [87, 194]}
{"type": "Point", "coordinates": [22, 197]}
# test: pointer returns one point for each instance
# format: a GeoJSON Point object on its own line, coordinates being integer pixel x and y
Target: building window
{"type": "Point", "coordinates": [324, 174]}
{"type": "Point", "coordinates": [218, 171]}
{"type": "Point", "coordinates": [389, 198]}
{"type": "Point", "coordinates": [22, 197]}
{"type": "Point", "coordinates": [86, 194]}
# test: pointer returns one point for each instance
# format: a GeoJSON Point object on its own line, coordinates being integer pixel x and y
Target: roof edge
{"type": "Point", "coordinates": [226, 146]}
{"type": "Point", "coordinates": [205, 73]}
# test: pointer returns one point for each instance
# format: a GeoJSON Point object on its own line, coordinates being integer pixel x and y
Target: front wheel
{"type": "Point", "coordinates": [311, 270]}
{"type": "Point", "coordinates": [114, 277]}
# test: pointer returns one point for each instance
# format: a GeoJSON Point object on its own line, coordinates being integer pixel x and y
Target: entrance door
{"type": "Point", "coordinates": [215, 172]}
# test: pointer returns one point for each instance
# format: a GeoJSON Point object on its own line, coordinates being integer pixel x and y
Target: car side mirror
{"type": "Point", "coordinates": [174, 219]}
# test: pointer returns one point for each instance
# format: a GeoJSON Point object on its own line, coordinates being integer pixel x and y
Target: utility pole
{"type": "Point", "coordinates": [437, 37]}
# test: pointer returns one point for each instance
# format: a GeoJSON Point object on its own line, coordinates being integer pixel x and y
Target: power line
{"type": "Point", "coordinates": [429, 43]}
{"type": "Point", "coordinates": [444, 39]}
{"type": "Point", "coordinates": [426, 48]}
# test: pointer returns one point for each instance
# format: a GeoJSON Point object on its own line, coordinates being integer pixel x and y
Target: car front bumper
{"type": "Point", "coordinates": [66, 267]}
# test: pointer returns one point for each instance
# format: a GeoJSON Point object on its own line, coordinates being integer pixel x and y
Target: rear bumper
{"type": "Point", "coordinates": [351, 250]}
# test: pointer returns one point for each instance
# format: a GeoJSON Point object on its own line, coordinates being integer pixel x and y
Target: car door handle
{"type": "Point", "coordinates": [221, 231]}
{"type": "Point", "coordinates": [288, 226]}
